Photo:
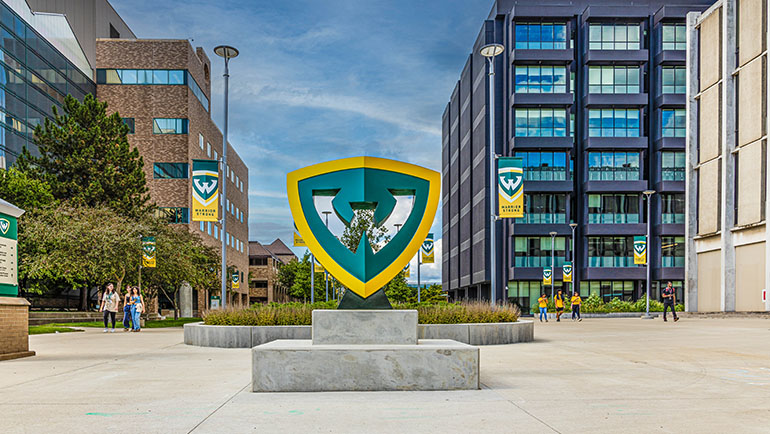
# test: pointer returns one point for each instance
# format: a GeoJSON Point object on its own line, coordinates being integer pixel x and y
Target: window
{"type": "Point", "coordinates": [200, 141]}
{"type": "Point", "coordinates": [170, 170]}
{"type": "Point", "coordinates": [672, 207]}
{"type": "Point", "coordinates": [169, 126]}
{"type": "Point", "coordinates": [672, 166]}
{"type": "Point", "coordinates": [609, 289]}
{"type": "Point", "coordinates": [216, 232]}
{"type": "Point", "coordinates": [259, 284]}
{"type": "Point", "coordinates": [673, 122]}
{"type": "Point", "coordinates": [613, 122]}
{"type": "Point", "coordinates": [173, 214]}
{"type": "Point", "coordinates": [613, 37]}
{"type": "Point", "coordinates": [674, 79]}
{"type": "Point", "coordinates": [613, 208]}
{"type": "Point", "coordinates": [257, 261]}
{"type": "Point", "coordinates": [129, 122]}
{"type": "Point", "coordinates": [208, 228]}
{"type": "Point", "coordinates": [541, 36]}
{"type": "Point", "coordinates": [544, 166]}
{"type": "Point", "coordinates": [613, 79]}
{"type": "Point", "coordinates": [536, 122]}
{"type": "Point", "coordinates": [197, 91]}
{"type": "Point", "coordinates": [536, 251]}
{"type": "Point", "coordinates": [216, 156]}
{"type": "Point", "coordinates": [544, 208]}
{"type": "Point", "coordinates": [208, 149]}
{"type": "Point", "coordinates": [674, 37]}
{"type": "Point", "coordinates": [525, 293]}
{"type": "Point", "coordinates": [613, 166]}
{"type": "Point", "coordinates": [672, 251]}
{"type": "Point", "coordinates": [241, 186]}
{"type": "Point", "coordinates": [140, 76]}
{"type": "Point", "coordinates": [203, 226]}
{"type": "Point", "coordinates": [541, 79]}
{"type": "Point", "coordinates": [612, 251]}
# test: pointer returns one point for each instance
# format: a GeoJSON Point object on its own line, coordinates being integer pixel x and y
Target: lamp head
{"type": "Point", "coordinates": [226, 51]}
{"type": "Point", "coordinates": [573, 225]}
{"type": "Point", "coordinates": [552, 233]}
{"type": "Point", "coordinates": [648, 193]}
{"type": "Point", "coordinates": [491, 50]}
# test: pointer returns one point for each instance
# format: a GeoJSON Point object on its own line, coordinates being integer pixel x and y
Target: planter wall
{"type": "Point", "coordinates": [202, 335]}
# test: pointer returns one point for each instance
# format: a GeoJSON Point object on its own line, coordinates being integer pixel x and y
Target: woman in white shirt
{"type": "Point", "coordinates": [109, 306]}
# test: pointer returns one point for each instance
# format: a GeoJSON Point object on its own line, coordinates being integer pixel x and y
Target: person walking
{"type": "Point", "coordinates": [558, 300]}
{"type": "Point", "coordinates": [127, 310]}
{"type": "Point", "coordinates": [109, 305]}
{"type": "Point", "coordinates": [542, 303]}
{"type": "Point", "coordinates": [576, 301]}
{"type": "Point", "coordinates": [137, 307]}
{"type": "Point", "coordinates": [669, 300]}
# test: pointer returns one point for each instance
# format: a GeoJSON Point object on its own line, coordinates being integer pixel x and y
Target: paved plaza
{"type": "Point", "coordinates": [601, 375]}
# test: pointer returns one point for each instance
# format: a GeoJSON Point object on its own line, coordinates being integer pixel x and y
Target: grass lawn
{"type": "Point", "coordinates": [50, 328]}
{"type": "Point", "coordinates": [65, 327]}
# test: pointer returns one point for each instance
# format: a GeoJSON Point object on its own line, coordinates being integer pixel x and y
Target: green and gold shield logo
{"type": "Point", "coordinates": [363, 183]}
{"type": "Point", "coordinates": [4, 225]}
{"type": "Point", "coordinates": [640, 250]}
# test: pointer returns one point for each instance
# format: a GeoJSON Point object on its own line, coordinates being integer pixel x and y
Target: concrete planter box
{"type": "Point", "coordinates": [202, 335]}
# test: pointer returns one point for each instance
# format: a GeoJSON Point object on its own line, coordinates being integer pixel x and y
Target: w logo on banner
{"type": "Point", "coordinates": [547, 275]}
{"type": "Point", "coordinates": [428, 250]}
{"type": "Point", "coordinates": [510, 187]}
{"type": "Point", "coordinates": [205, 186]}
{"type": "Point", "coordinates": [4, 226]}
{"type": "Point", "coordinates": [640, 250]}
{"type": "Point", "coordinates": [510, 184]}
{"type": "Point", "coordinates": [566, 271]}
{"type": "Point", "coordinates": [205, 190]}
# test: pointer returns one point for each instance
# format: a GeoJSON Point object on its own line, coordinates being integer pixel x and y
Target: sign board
{"type": "Point", "coordinates": [215, 302]}
{"type": "Point", "coordinates": [510, 187]}
{"type": "Point", "coordinates": [566, 271]}
{"type": "Point", "coordinates": [640, 250]}
{"type": "Point", "coordinates": [9, 254]}
{"type": "Point", "coordinates": [428, 250]}
{"type": "Point", "coordinates": [298, 241]}
{"type": "Point", "coordinates": [205, 190]}
{"type": "Point", "coordinates": [547, 276]}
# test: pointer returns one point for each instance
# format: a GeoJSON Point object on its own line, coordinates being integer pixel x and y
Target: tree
{"type": "Point", "coordinates": [432, 294]}
{"type": "Point", "coordinates": [295, 276]}
{"type": "Point", "coordinates": [86, 159]}
{"type": "Point", "coordinates": [24, 191]}
{"type": "Point", "coordinates": [363, 223]}
{"type": "Point", "coordinates": [398, 291]}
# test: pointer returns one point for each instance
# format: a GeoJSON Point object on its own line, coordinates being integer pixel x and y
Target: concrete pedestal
{"type": "Point", "coordinates": [370, 350]}
{"type": "Point", "coordinates": [186, 300]}
{"type": "Point", "coordinates": [14, 328]}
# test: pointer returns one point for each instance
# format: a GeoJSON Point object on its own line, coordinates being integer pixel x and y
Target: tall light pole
{"type": "Point", "coordinates": [553, 268]}
{"type": "Point", "coordinates": [573, 226]}
{"type": "Point", "coordinates": [326, 273]}
{"type": "Point", "coordinates": [490, 51]}
{"type": "Point", "coordinates": [648, 195]}
{"type": "Point", "coordinates": [226, 52]}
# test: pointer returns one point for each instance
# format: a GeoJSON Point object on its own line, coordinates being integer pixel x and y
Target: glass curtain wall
{"type": "Point", "coordinates": [613, 166]}
{"type": "Point", "coordinates": [613, 208]}
{"type": "Point", "coordinates": [536, 251]}
{"type": "Point", "coordinates": [541, 36]}
{"type": "Point", "coordinates": [611, 251]}
{"type": "Point", "coordinates": [544, 208]}
{"type": "Point", "coordinates": [545, 166]}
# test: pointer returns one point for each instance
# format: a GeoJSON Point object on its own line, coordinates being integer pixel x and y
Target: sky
{"type": "Point", "coordinates": [321, 80]}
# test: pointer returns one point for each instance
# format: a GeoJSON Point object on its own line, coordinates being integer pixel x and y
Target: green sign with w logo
{"type": "Point", "coordinates": [640, 250]}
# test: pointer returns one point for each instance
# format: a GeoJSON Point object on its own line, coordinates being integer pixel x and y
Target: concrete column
{"type": "Point", "coordinates": [729, 41]}
{"type": "Point", "coordinates": [691, 175]}
{"type": "Point", "coordinates": [185, 300]}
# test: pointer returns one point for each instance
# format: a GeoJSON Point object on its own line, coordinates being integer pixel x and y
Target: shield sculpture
{"type": "Point", "coordinates": [363, 183]}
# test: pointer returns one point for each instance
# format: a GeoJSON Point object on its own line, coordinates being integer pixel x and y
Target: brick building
{"type": "Point", "coordinates": [264, 263]}
{"type": "Point", "coordinates": [162, 90]}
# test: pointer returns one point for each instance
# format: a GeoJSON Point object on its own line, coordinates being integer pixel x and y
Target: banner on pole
{"type": "Point", "coordinates": [428, 250]}
{"type": "Point", "coordinates": [298, 241]}
{"type": "Point", "coordinates": [407, 270]}
{"type": "Point", "coordinates": [640, 250]}
{"type": "Point", "coordinates": [318, 267]}
{"type": "Point", "coordinates": [547, 276]}
{"type": "Point", "coordinates": [205, 190]}
{"type": "Point", "coordinates": [566, 271]}
{"type": "Point", "coordinates": [148, 252]}
{"type": "Point", "coordinates": [510, 187]}
{"type": "Point", "coordinates": [236, 280]}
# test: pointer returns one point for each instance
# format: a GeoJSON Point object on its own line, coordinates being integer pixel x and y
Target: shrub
{"type": "Point", "coordinates": [594, 304]}
{"type": "Point", "coordinates": [301, 314]}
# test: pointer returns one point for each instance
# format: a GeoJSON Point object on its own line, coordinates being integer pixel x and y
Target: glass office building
{"type": "Point", "coordinates": [36, 77]}
{"type": "Point", "coordinates": [591, 96]}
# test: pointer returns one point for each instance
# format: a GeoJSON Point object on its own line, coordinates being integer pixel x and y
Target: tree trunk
{"type": "Point", "coordinates": [84, 298]}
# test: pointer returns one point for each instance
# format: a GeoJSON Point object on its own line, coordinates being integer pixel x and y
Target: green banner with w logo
{"type": "Point", "coordinates": [640, 250]}
{"type": "Point", "coordinates": [510, 187]}
{"type": "Point", "coordinates": [148, 252]}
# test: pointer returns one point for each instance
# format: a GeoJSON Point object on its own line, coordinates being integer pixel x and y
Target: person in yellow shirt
{"type": "Point", "coordinates": [542, 302]}
{"type": "Point", "coordinates": [576, 301]}
{"type": "Point", "coordinates": [558, 300]}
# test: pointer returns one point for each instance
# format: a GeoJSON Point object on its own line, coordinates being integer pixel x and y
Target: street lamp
{"type": "Point", "coordinates": [553, 271]}
{"type": "Point", "coordinates": [326, 273]}
{"type": "Point", "coordinates": [490, 51]}
{"type": "Point", "coordinates": [573, 226]}
{"type": "Point", "coordinates": [648, 195]}
{"type": "Point", "coordinates": [227, 52]}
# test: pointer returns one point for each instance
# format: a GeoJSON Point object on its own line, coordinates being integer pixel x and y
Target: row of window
{"type": "Point", "coordinates": [209, 150]}
{"type": "Point", "coordinates": [613, 166]}
{"type": "Point", "coordinates": [601, 79]}
{"type": "Point", "coordinates": [526, 292]}
{"type": "Point", "coordinates": [602, 36]}
{"type": "Point", "coordinates": [540, 79]}
{"type": "Point", "coordinates": [212, 229]}
{"type": "Point", "coordinates": [607, 122]}
{"type": "Point", "coordinates": [540, 122]}
{"type": "Point", "coordinates": [613, 122]}
{"type": "Point", "coordinates": [613, 79]}
{"type": "Point", "coordinates": [617, 251]}
{"type": "Point", "coordinates": [544, 208]}
{"type": "Point", "coordinates": [161, 125]}
{"type": "Point", "coordinates": [153, 77]}
{"type": "Point", "coordinates": [545, 166]}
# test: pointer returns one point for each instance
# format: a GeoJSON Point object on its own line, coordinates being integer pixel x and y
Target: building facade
{"type": "Point", "coordinates": [264, 263]}
{"type": "Point", "coordinates": [44, 59]}
{"type": "Point", "coordinates": [591, 96]}
{"type": "Point", "coordinates": [162, 90]}
{"type": "Point", "coordinates": [727, 236]}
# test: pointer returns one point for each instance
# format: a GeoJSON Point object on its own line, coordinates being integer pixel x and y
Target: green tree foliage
{"type": "Point", "coordinates": [24, 191]}
{"type": "Point", "coordinates": [295, 276]}
{"type": "Point", "coordinates": [363, 223]}
{"type": "Point", "coordinates": [399, 292]}
{"type": "Point", "coordinates": [86, 159]}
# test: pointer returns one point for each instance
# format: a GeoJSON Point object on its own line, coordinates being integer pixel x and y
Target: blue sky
{"type": "Point", "coordinates": [321, 80]}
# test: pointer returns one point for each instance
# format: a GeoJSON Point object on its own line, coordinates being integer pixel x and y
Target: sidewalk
{"type": "Point", "coordinates": [608, 375]}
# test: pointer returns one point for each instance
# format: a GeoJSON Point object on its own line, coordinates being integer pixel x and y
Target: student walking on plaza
{"type": "Point", "coordinates": [127, 310]}
{"type": "Point", "coordinates": [110, 302]}
{"type": "Point", "coordinates": [137, 307]}
{"type": "Point", "coordinates": [669, 300]}
{"type": "Point", "coordinates": [576, 301]}
{"type": "Point", "coordinates": [558, 300]}
{"type": "Point", "coordinates": [542, 303]}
